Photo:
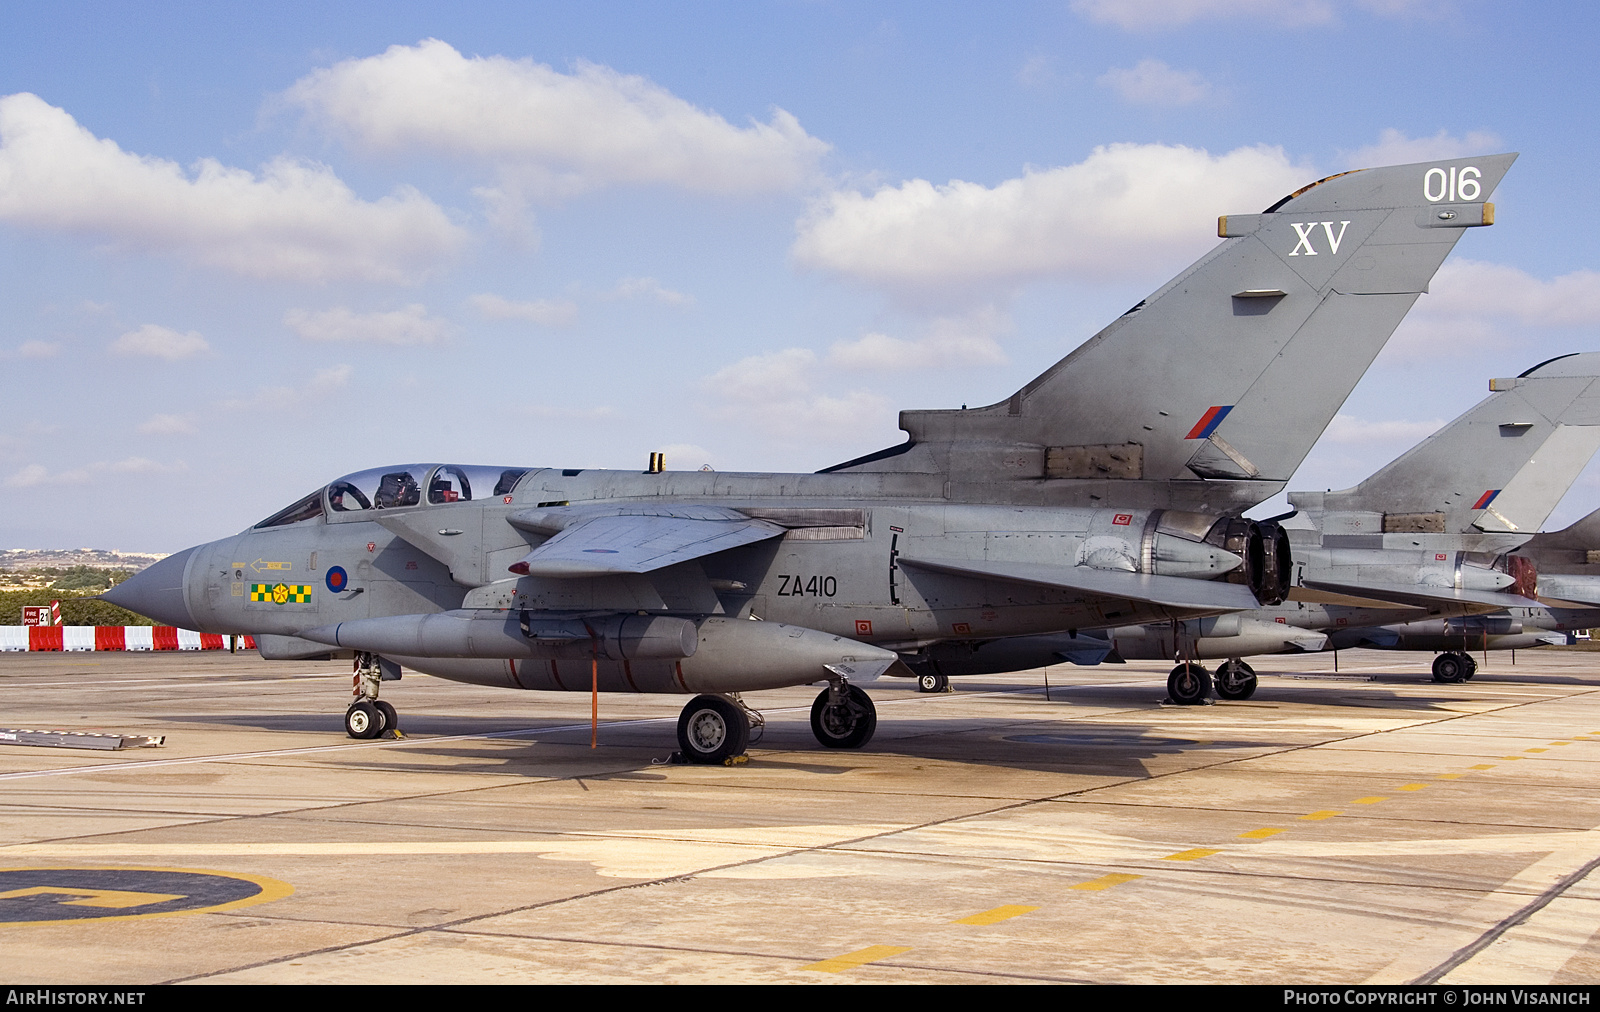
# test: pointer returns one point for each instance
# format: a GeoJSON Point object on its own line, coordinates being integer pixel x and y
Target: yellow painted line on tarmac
{"type": "Point", "coordinates": [996, 915]}
{"type": "Point", "coordinates": [1104, 882]}
{"type": "Point", "coordinates": [1482, 766]}
{"type": "Point", "coordinates": [1373, 800]}
{"type": "Point", "coordinates": [860, 957]}
{"type": "Point", "coordinates": [1535, 750]}
{"type": "Point", "coordinates": [1326, 813]}
{"type": "Point", "coordinates": [1261, 834]}
{"type": "Point", "coordinates": [1412, 787]}
{"type": "Point", "coordinates": [1561, 743]}
{"type": "Point", "coordinates": [1192, 854]}
{"type": "Point", "coordinates": [1513, 757]}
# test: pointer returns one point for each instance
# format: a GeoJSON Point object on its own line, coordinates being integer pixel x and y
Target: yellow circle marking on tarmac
{"type": "Point", "coordinates": [74, 893]}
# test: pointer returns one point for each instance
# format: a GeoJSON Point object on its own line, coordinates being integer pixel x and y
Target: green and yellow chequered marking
{"type": "Point", "coordinates": [281, 593]}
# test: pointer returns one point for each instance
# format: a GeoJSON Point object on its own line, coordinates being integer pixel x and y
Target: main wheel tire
{"type": "Point", "coordinates": [850, 725]}
{"type": "Point", "coordinates": [932, 683]}
{"type": "Point", "coordinates": [363, 720]}
{"type": "Point", "coordinates": [711, 729]}
{"type": "Point", "coordinates": [1235, 680]}
{"type": "Point", "coordinates": [391, 719]}
{"type": "Point", "coordinates": [1448, 668]}
{"type": "Point", "coordinates": [1189, 685]}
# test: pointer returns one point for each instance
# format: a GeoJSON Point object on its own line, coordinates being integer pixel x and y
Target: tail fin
{"type": "Point", "coordinates": [1571, 549]}
{"type": "Point", "coordinates": [1501, 467]}
{"type": "Point", "coordinates": [1209, 393]}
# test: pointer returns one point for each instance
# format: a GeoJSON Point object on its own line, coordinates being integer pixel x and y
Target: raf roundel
{"type": "Point", "coordinates": [337, 579]}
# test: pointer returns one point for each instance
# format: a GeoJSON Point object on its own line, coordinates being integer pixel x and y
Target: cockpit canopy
{"type": "Point", "coordinates": [381, 488]}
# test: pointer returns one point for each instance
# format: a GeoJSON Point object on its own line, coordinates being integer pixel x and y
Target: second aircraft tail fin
{"type": "Point", "coordinates": [1501, 467]}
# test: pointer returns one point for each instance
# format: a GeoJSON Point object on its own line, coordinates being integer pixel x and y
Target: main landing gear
{"type": "Point", "coordinates": [933, 682]}
{"type": "Point", "coordinates": [369, 716]}
{"type": "Point", "coordinates": [712, 729]}
{"type": "Point", "coordinates": [1454, 666]}
{"type": "Point", "coordinates": [1189, 684]}
{"type": "Point", "coordinates": [843, 716]}
{"type": "Point", "coordinates": [1235, 679]}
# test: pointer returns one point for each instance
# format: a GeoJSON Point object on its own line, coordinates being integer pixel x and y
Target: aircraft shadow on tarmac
{"type": "Point", "coordinates": [1045, 735]}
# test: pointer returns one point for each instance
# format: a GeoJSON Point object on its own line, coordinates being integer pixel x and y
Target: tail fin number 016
{"type": "Point", "coordinates": [1449, 185]}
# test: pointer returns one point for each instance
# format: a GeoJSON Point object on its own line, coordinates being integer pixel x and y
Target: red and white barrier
{"type": "Point", "coordinates": [84, 638]}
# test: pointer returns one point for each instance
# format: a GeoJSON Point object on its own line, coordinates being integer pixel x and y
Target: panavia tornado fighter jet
{"type": "Point", "coordinates": [1561, 569]}
{"type": "Point", "coordinates": [1105, 492]}
{"type": "Point", "coordinates": [1415, 557]}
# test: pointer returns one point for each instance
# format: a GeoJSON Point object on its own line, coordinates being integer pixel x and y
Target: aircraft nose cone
{"type": "Point", "coordinates": [157, 592]}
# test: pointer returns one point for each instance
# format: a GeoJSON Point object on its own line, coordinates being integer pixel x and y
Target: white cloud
{"type": "Point", "coordinates": [552, 132]}
{"type": "Point", "coordinates": [1137, 15]}
{"type": "Point", "coordinates": [636, 288]}
{"type": "Point", "coordinates": [1151, 82]}
{"type": "Point", "coordinates": [688, 457]}
{"type": "Point", "coordinates": [544, 312]}
{"type": "Point", "coordinates": [38, 349]}
{"type": "Point", "coordinates": [951, 342]}
{"type": "Point", "coordinates": [168, 425]}
{"type": "Point", "coordinates": [778, 392]}
{"type": "Point", "coordinates": [1349, 429]}
{"type": "Point", "coordinates": [1472, 303]}
{"type": "Point", "coordinates": [410, 325]}
{"type": "Point", "coordinates": [1037, 73]}
{"type": "Point", "coordinates": [1110, 216]}
{"type": "Point", "coordinates": [322, 383]}
{"type": "Point", "coordinates": [34, 475]}
{"type": "Point", "coordinates": [155, 341]}
{"type": "Point", "coordinates": [1395, 148]}
{"type": "Point", "coordinates": [295, 220]}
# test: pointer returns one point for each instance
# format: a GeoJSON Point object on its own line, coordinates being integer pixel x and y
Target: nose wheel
{"type": "Point", "coordinates": [932, 682]}
{"type": "Point", "coordinates": [369, 717]}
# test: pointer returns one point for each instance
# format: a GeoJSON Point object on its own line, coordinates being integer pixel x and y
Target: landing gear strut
{"type": "Point", "coordinates": [369, 716]}
{"type": "Point", "coordinates": [843, 716]}
{"type": "Point", "coordinates": [1189, 684]}
{"type": "Point", "coordinates": [712, 728]}
{"type": "Point", "coordinates": [1453, 667]}
{"type": "Point", "coordinates": [1235, 679]}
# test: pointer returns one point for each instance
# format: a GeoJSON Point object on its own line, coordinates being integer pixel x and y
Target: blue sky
{"type": "Point", "coordinates": [246, 250]}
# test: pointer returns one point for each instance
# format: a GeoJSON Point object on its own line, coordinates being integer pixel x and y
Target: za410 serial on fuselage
{"type": "Point", "coordinates": [1106, 492]}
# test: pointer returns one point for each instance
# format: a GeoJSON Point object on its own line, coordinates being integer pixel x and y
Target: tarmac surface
{"type": "Point", "coordinates": [1370, 826]}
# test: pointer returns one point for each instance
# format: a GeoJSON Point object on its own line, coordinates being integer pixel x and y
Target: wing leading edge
{"type": "Point", "coordinates": [633, 541]}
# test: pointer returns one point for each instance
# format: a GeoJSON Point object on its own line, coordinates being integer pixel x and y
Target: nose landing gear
{"type": "Point", "coordinates": [369, 716]}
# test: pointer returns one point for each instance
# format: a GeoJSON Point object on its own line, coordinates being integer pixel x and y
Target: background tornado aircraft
{"type": "Point", "coordinates": [1415, 557]}
{"type": "Point", "coordinates": [1103, 493]}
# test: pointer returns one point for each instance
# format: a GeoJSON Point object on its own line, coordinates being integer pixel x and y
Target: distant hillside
{"type": "Point", "coordinates": [67, 558]}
